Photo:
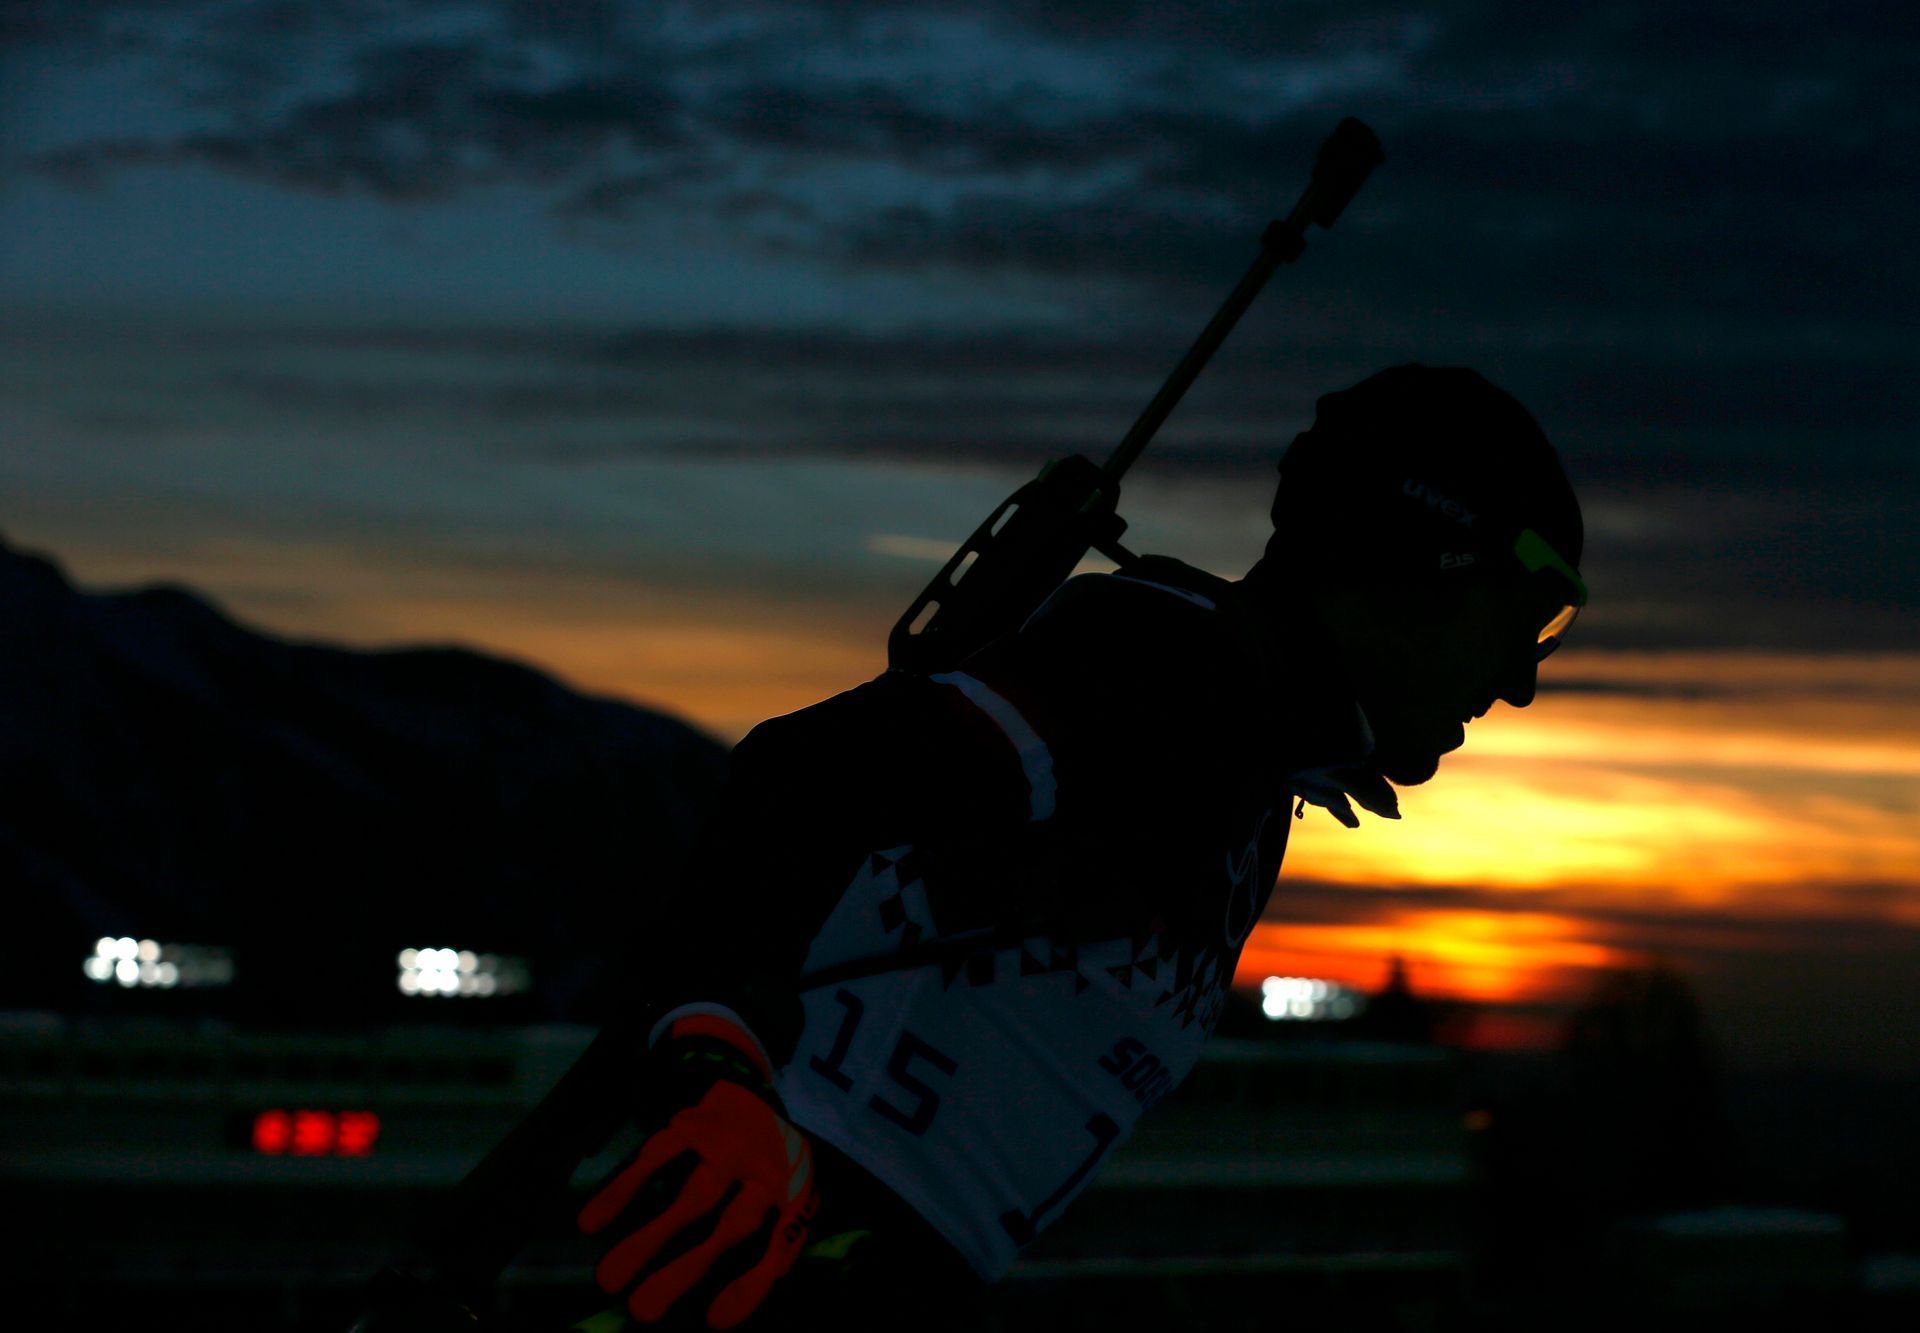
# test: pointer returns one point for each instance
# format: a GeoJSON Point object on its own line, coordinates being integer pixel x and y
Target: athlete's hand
{"type": "Point", "coordinates": [741, 1145]}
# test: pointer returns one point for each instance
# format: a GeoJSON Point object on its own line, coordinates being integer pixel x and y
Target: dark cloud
{"type": "Point", "coordinates": [1726, 160]}
{"type": "Point", "coordinates": [1717, 392]}
{"type": "Point", "coordinates": [42, 22]}
{"type": "Point", "coordinates": [580, 24]}
{"type": "Point", "coordinates": [1680, 233]}
{"type": "Point", "coordinates": [1021, 398]}
{"type": "Point", "coordinates": [1673, 686]}
{"type": "Point", "coordinates": [422, 121]}
{"type": "Point", "coordinates": [872, 119]}
{"type": "Point", "coordinates": [1737, 426]}
{"type": "Point", "coordinates": [1647, 35]}
{"type": "Point", "coordinates": [1857, 919]}
{"type": "Point", "coordinates": [1751, 539]}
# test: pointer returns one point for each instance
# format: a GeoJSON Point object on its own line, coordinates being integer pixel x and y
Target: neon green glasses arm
{"type": "Point", "coordinates": [1535, 554]}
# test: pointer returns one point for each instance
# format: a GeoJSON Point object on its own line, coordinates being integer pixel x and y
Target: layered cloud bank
{"type": "Point", "coordinates": [1751, 817]}
{"type": "Point", "coordinates": [670, 345]}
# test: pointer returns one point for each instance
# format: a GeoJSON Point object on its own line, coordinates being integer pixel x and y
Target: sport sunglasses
{"type": "Point", "coordinates": [1535, 555]}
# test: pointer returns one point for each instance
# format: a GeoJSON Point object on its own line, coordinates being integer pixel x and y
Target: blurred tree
{"type": "Point", "coordinates": [1647, 1122]}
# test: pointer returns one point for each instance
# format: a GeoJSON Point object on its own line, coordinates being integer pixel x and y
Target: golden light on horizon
{"type": "Point", "coordinates": [1503, 824]}
{"type": "Point", "coordinates": [1669, 788]}
{"type": "Point", "coordinates": [1451, 953]}
{"type": "Point", "coordinates": [1767, 789]}
{"type": "Point", "coordinates": [1670, 800]}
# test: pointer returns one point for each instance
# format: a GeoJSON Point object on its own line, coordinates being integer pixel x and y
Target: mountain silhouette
{"type": "Point", "coordinates": [166, 773]}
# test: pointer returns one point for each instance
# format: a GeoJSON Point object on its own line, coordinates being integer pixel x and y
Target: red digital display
{"type": "Point", "coordinates": [308, 1133]}
{"type": "Point", "coordinates": [355, 1132]}
{"type": "Point", "coordinates": [272, 1131]}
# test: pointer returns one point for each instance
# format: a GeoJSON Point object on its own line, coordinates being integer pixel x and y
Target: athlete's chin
{"type": "Point", "coordinates": [1408, 770]}
{"type": "Point", "coordinates": [1412, 765]}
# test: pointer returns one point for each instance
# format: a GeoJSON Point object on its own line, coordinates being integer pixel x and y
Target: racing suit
{"type": "Point", "coordinates": [1062, 846]}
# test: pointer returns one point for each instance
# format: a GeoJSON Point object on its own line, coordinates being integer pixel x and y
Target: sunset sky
{"type": "Point", "coordinates": [669, 347]}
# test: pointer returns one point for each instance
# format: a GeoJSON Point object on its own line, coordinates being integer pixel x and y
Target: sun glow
{"type": "Point", "coordinates": [1486, 957]}
{"type": "Point", "coordinates": [1673, 799]}
{"type": "Point", "coordinates": [1680, 800]}
{"type": "Point", "coordinates": [1715, 806]}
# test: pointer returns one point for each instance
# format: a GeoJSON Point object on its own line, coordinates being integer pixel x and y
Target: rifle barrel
{"type": "Point", "coordinates": [1340, 168]}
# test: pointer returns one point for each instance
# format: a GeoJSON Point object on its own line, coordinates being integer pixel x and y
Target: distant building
{"type": "Point", "coordinates": [1396, 1014]}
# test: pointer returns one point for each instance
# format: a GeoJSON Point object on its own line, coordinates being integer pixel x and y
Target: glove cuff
{"type": "Point", "coordinates": [718, 1030]}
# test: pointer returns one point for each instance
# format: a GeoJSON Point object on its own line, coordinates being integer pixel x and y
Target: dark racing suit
{"type": "Point", "coordinates": [1064, 844]}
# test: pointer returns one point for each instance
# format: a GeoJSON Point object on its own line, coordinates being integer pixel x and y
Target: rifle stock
{"type": "Point", "coordinates": [1022, 551]}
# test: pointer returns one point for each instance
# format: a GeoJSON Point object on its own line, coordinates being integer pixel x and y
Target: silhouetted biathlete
{"type": "Point", "coordinates": [1063, 845]}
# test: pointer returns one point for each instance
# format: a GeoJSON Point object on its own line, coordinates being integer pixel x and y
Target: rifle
{"type": "Point", "coordinates": [1030, 544]}
{"type": "Point", "coordinates": [1024, 550]}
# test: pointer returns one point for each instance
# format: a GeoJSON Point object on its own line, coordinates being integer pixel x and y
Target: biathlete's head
{"type": "Point", "coordinates": [1425, 523]}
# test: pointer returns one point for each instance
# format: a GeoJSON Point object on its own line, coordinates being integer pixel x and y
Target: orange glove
{"type": "Point", "coordinates": [739, 1138]}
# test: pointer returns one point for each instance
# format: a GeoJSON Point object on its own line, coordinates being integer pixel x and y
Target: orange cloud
{"type": "Point", "coordinates": [722, 661]}
{"type": "Point", "coordinates": [1766, 784]}
{"type": "Point", "coordinates": [1764, 791]}
{"type": "Point", "coordinates": [1690, 802]}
